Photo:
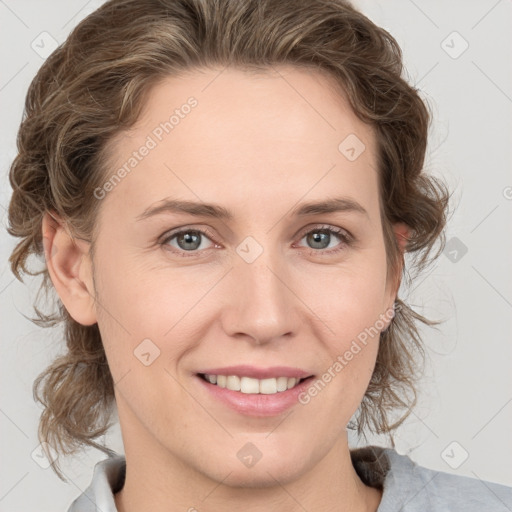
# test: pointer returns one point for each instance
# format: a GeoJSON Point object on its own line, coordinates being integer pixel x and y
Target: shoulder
{"type": "Point", "coordinates": [108, 478]}
{"type": "Point", "coordinates": [409, 487]}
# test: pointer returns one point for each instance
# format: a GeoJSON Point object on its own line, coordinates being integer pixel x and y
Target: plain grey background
{"type": "Point", "coordinates": [458, 54]}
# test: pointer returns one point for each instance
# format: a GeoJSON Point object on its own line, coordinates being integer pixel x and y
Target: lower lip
{"type": "Point", "coordinates": [257, 404]}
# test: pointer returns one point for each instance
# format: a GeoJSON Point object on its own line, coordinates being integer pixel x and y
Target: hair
{"type": "Point", "coordinates": [94, 86]}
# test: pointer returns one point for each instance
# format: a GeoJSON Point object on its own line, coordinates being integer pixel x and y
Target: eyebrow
{"type": "Point", "coordinates": [192, 208]}
{"type": "Point", "coordinates": [198, 209]}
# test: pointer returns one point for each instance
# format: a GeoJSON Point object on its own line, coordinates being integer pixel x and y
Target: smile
{"type": "Point", "coordinates": [252, 386]}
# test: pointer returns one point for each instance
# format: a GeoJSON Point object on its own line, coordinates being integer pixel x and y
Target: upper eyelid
{"type": "Point", "coordinates": [173, 232]}
{"type": "Point", "coordinates": [324, 227]}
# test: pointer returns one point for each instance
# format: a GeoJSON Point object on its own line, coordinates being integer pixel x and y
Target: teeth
{"type": "Point", "coordinates": [249, 386]}
{"type": "Point", "coordinates": [268, 386]}
{"type": "Point", "coordinates": [252, 386]}
{"type": "Point", "coordinates": [282, 383]}
{"type": "Point", "coordinates": [233, 382]}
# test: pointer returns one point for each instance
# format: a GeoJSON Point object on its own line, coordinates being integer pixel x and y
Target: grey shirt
{"type": "Point", "coordinates": [406, 486]}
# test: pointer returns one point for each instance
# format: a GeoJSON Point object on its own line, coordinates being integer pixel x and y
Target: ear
{"type": "Point", "coordinates": [70, 269]}
{"type": "Point", "coordinates": [402, 233]}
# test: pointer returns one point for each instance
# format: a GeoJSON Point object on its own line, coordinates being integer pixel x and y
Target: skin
{"type": "Point", "coordinates": [258, 144]}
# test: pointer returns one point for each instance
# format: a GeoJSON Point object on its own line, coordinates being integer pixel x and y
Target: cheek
{"type": "Point", "coordinates": [148, 301]}
{"type": "Point", "coordinates": [138, 303]}
{"type": "Point", "coordinates": [350, 299]}
{"type": "Point", "coordinates": [352, 304]}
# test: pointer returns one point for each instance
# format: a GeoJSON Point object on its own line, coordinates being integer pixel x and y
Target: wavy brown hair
{"type": "Point", "coordinates": [95, 84]}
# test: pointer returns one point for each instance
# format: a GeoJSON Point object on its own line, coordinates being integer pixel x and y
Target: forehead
{"type": "Point", "coordinates": [230, 134]}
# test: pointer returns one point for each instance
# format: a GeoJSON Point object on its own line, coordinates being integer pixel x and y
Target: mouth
{"type": "Point", "coordinates": [253, 386]}
{"type": "Point", "coordinates": [254, 392]}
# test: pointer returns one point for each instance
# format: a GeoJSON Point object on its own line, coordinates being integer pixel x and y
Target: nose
{"type": "Point", "coordinates": [261, 306]}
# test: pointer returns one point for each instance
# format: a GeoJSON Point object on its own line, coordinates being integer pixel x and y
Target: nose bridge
{"type": "Point", "coordinates": [262, 306]}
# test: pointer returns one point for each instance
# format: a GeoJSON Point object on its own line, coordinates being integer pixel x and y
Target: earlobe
{"type": "Point", "coordinates": [402, 234]}
{"type": "Point", "coordinates": [69, 266]}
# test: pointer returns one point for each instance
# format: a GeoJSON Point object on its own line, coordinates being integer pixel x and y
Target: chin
{"type": "Point", "coordinates": [252, 467]}
{"type": "Point", "coordinates": [263, 474]}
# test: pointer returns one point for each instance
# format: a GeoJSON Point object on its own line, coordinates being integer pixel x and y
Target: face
{"type": "Point", "coordinates": [261, 289]}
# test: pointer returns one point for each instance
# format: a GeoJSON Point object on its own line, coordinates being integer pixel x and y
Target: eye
{"type": "Point", "coordinates": [321, 240]}
{"type": "Point", "coordinates": [188, 240]}
{"type": "Point", "coordinates": [327, 237]}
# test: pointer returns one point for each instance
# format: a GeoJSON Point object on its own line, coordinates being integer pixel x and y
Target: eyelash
{"type": "Point", "coordinates": [346, 240]}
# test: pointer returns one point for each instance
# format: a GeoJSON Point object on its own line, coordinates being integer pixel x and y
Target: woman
{"type": "Point", "coordinates": [224, 193]}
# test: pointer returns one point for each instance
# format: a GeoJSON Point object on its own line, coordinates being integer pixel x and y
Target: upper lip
{"type": "Point", "coordinates": [258, 373]}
